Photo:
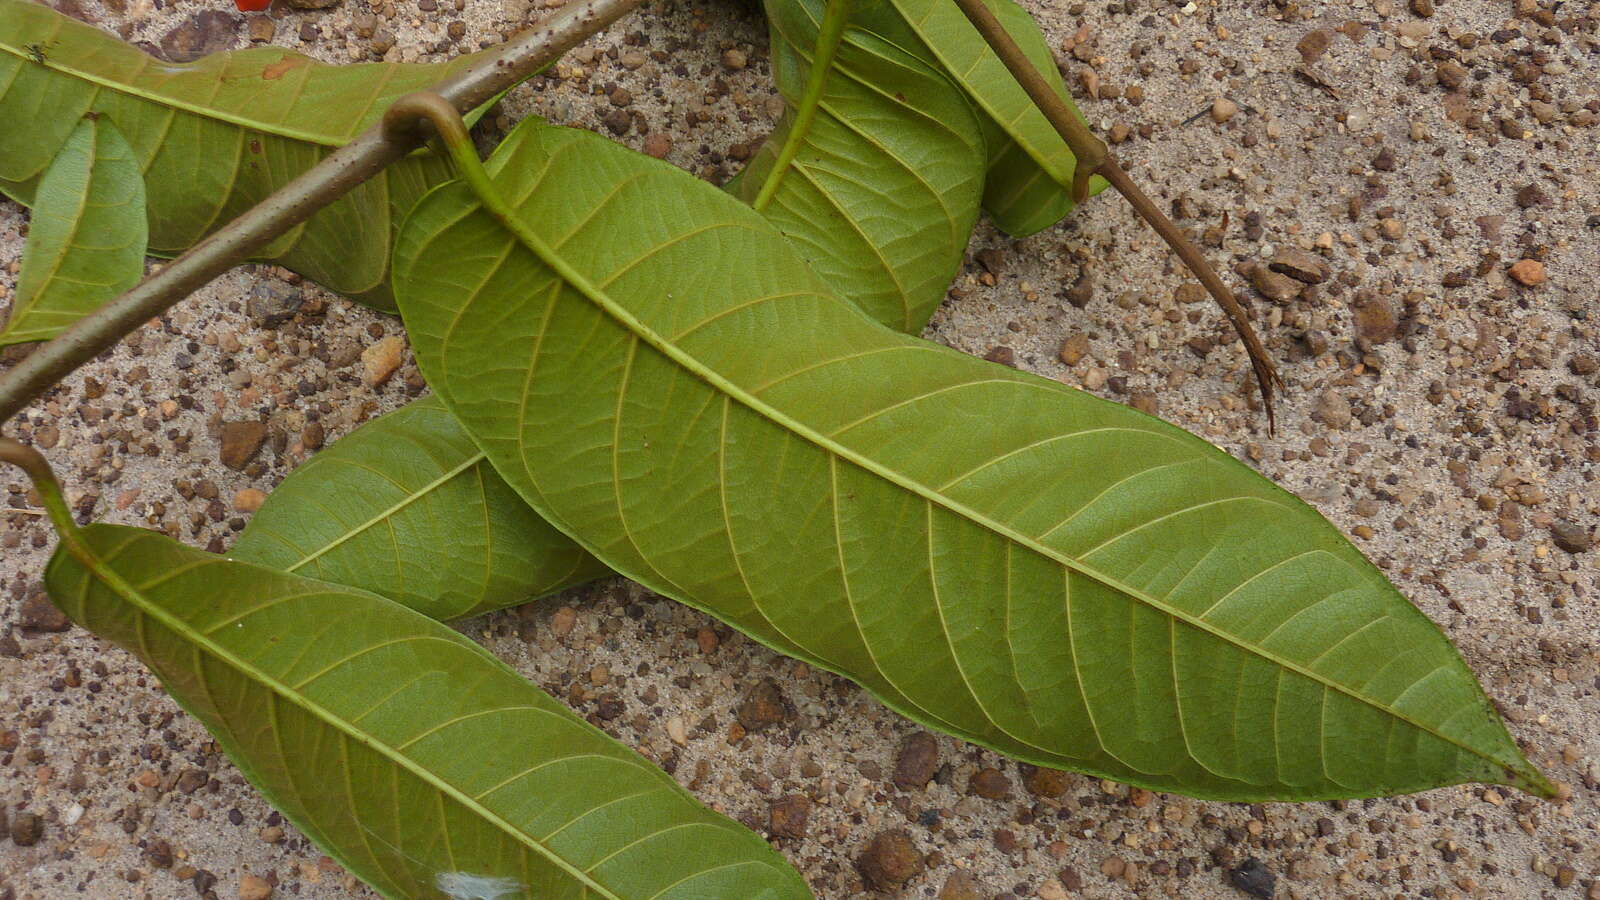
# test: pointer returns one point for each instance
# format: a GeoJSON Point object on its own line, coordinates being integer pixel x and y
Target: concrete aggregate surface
{"type": "Point", "coordinates": [1440, 159]}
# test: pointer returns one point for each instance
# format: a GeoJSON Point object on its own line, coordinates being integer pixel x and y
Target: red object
{"type": "Point", "coordinates": [252, 5]}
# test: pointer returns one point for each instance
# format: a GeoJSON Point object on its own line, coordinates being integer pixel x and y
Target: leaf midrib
{"type": "Point", "coordinates": [106, 83]}
{"type": "Point", "coordinates": [611, 307]}
{"type": "Point", "coordinates": [183, 629]}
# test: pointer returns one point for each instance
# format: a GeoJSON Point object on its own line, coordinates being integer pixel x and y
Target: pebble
{"type": "Point", "coordinates": [890, 860]}
{"type": "Point", "coordinates": [26, 829]}
{"type": "Point", "coordinates": [1333, 410]}
{"type": "Point", "coordinates": [990, 784]}
{"type": "Point", "coordinates": [734, 59]}
{"type": "Point", "coordinates": [1377, 320]}
{"type": "Point", "coordinates": [1223, 109]}
{"type": "Point", "coordinates": [380, 360]}
{"type": "Point", "coordinates": [37, 613]}
{"type": "Point", "coordinates": [1314, 44]}
{"type": "Point", "coordinates": [1300, 265]}
{"type": "Point", "coordinates": [1253, 878]}
{"type": "Point", "coordinates": [789, 816]}
{"type": "Point", "coordinates": [204, 32]}
{"type": "Point", "coordinates": [313, 435]}
{"type": "Point", "coordinates": [272, 303]}
{"type": "Point", "coordinates": [961, 886]}
{"type": "Point", "coordinates": [676, 732]}
{"type": "Point", "coordinates": [312, 4]}
{"type": "Point", "coordinates": [1570, 536]}
{"type": "Point", "coordinates": [917, 761]}
{"type": "Point", "coordinates": [762, 707]}
{"type": "Point", "coordinates": [240, 443]}
{"type": "Point", "coordinates": [1275, 286]}
{"type": "Point", "coordinates": [254, 887]}
{"type": "Point", "coordinates": [249, 500]}
{"type": "Point", "coordinates": [657, 144]}
{"type": "Point", "coordinates": [1529, 272]}
{"type": "Point", "coordinates": [562, 621]}
{"type": "Point", "coordinates": [1074, 349]}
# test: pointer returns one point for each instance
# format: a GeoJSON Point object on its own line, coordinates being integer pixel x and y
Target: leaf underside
{"type": "Point", "coordinates": [404, 750]}
{"type": "Point", "coordinates": [86, 238]}
{"type": "Point", "coordinates": [999, 556]}
{"type": "Point", "coordinates": [1030, 166]}
{"type": "Point", "coordinates": [406, 507]}
{"type": "Point", "coordinates": [883, 194]}
{"type": "Point", "coordinates": [214, 137]}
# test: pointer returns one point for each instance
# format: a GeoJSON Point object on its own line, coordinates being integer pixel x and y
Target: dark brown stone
{"type": "Point", "coordinates": [788, 817]}
{"type": "Point", "coordinates": [240, 443]}
{"type": "Point", "coordinates": [762, 707]}
{"type": "Point", "coordinates": [917, 761]}
{"type": "Point", "coordinates": [990, 784]}
{"type": "Point", "coordinates": [37, 613]}
{"type": "Point", "coordinates": [890, 860]}
{"type": "Point", "coordinates": [204, 32]}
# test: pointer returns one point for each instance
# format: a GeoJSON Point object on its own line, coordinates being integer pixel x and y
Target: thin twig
{"type": "Point", "coordinates": [1094, 159]}
{"type": "Point", "coordinates": [327, 181]}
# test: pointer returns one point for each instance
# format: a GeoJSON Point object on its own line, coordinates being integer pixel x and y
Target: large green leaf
{"type": "Point", "coordinates": [406, 751]}
{"type": "Point", "coordinates": [1003, 557]}
{"type": "Point", "coordinates": [1030, 166]}
{"type": "Point", "coordinates": [405, 506]}
{"type": "Point", "coordinates": [86, 238]}
{"type": "Point", "coordinates": [883, 191]}
{"type": "Point", "coordinates": [216, 136]}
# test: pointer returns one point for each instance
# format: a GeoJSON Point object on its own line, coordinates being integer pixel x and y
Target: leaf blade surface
{"type": "Point", "coordinates": [1030, 166]}
{"type": "Point", "coordinates": [406, 751]}
{"type": "Point", "coordinates": [86, 239]}
{"type": "Point", "coordinates": [406, 507]}
{"type": "Point", "coordinates": [215, 136]}
{"type": "Point", "coordinates": [883, 193]}
{"type": "Point", "coordinates": [853, 499]}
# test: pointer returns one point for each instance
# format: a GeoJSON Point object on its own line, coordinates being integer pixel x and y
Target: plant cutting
{"type": "Point", "coordinates": [563, 309]}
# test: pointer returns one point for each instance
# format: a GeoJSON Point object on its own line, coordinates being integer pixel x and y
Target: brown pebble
{"type": "Point", "coordinates": [261, 29]}
{"type": "Point", "coordinates": [788, 817]}
{"type": "Point", "coordinates": [1314, 44]}
{"type": "Point", "coordinates": [37, 613]}
{"type": "Point", "coordinates": [1570, 536]}
{"type": "Point", "coordinates": [1189, 292]}
{"type": "Point", "coordinates": [1042, 782]}
{"type": "Point", "coordinates": [657, 144]}
{"type": "Point", "coordinates": [1082, 290]}
{"type": "Point", "coordinates": [254, 887]}
{"type": "Point", "coordinates": [1423, 8]}
{"type": "Point", "coordinates": [1223, 109]}
{"type": "Point", "coordinates": [207, 31]}
{"type": "Point", "coordinates": [890, 860]}
{"type": "Point", "coordinates": [707, 640]}
{"type": "Point", "coordinates": [26, 829]}
{"type": "Point", "coordinates": [1529, 272]}
{"type": "Point", "coordinates": [917, 761]}
{"type": "Point", "coordinates": [1074, 349]}
{"type": "Point", "coordinates": [1333, 410]}
{"type": "Point", "coordinates": [734, 59]}
{"type": "Point", "coordinates": [379, 361]}
{"type": "Point", "coordinates": [617, 122]}
{"type": "Point", "coordinates": [312, 4]}
{"type": "Point", "coordinates": [762, 707]}
{"type": "Point", "coordinates": [1274, 286]}
{"type": "Point", "coordinates": [240, 443]}
{"type": "Point", "coordinates": [990, 784]}
{"type": "Point", "coordinates": [1300, 265]}
{"type": "Point", "coordinates": [249, 500]}
{"type": "Point", "coordinates": [313, 435]}
{"type": "Point", "coordinates": [562, 621]}
{"type": "Point", "coordinates": [961, 886]}
{"type": "Point", "coordinates": [1451, 74]}
{"type": "Point", "coordinates": [1003, 355]}
{"type": "Point", "coordinates": [1377, 320]}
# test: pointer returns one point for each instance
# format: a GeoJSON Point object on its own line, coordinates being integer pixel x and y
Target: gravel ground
{"type": "Point", "coordinates": [1442, 163]}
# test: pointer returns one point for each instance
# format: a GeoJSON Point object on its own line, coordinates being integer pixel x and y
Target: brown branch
{"type": "Point", "coordinates": [1094, 159]}
{"type": "Point", "coordinates": [327, 181]}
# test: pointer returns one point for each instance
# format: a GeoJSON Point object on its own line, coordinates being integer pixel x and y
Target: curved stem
{"type": "Point", "coordinates": [834, 19]}
{"type": "Point", "coordinates": [327, 181]}
{"type": "Point", "coordinates": [1094, 159]}
{"type": "Point", "coordinates": [44, 481]}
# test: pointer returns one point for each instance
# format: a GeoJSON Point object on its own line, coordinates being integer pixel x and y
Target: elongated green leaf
{"type": "Point", "coordinates": [406, 751]}
{"type": "Point", "coordinates": [407, 507]}
{"type": "Point", "coordinates": [998, 555]}
{"type": "Point", "coordinates": [885, 187]}
{"type": "Point", "coordinates": [86, 239]}
{"type": "Point", "coordinates": [1030, 167]}
{"type": "Point", "coordinates": [215, 136]}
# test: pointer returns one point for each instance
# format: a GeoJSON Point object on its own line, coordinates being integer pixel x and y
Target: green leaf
{"type": "Point", "coordinates": [86, 238]}
{"type": "Point", "coordinates": [1000, 556]}
{"type": "Point", "coordinates": [1030, 166]}
{"type": "Point", "coordinates": [884, 189]}
{"type": "Point", "coordinates": [405, 751]}
{"type": "Point", "coordinates": [405, 506]}
{"type": "Point", "coordinates": [216, 136]}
